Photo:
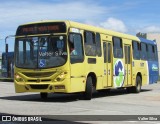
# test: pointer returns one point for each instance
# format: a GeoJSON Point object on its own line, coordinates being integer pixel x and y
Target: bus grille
{"type": "Point", "coordinates": [44, 86]}
{"type": "Point", "coordinates": [39, 80]}
{"type": "Point", "coordinates": [38, 75]}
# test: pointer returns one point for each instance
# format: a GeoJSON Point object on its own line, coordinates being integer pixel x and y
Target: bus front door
{"type": "Point", "coordinates": [77, 65]}
{"type": "Point", "coordinates": [107, 47]}
{"type": "Point", "coordinates": [128, 69]}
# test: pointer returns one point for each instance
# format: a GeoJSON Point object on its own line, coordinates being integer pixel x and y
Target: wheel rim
{"type": "Point", "coordinates": [138, 85]}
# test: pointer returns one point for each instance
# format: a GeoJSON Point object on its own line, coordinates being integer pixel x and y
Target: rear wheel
{"type": "Point", "coordinates": [137, 88]}
{"type": "Point", "coordinates": [89, 89]}
{"type": "Point", "coordinates": [44, 95]}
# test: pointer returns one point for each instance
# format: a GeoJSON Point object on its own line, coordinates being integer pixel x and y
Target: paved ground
{"type": "Point", "coordinates": [118, 102]}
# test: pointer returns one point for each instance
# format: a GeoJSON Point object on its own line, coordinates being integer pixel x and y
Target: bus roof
{"type": "Point", "coordinates": [147, 41]}
{"type": "Point", "coordinates": [102, 30]}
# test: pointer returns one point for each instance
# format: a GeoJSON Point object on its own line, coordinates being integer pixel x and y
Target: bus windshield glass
{"type": "Point", "coordinates": [40, 52]}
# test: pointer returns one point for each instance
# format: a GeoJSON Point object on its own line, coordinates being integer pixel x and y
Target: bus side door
{"type": "Point", "coordinates": [77, 65]}
{"type": "Point", "coordinates": [107, 47]}
{"type": "Point", "coordinates": [128, 70]}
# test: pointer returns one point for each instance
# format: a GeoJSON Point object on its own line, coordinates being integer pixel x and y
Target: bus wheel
{"type": "Point", "coordinates": [89, 88]}
{"type": "Point", "coordinates": [44, 95]}
{"type": "Point", "coordinates": [137, 88]}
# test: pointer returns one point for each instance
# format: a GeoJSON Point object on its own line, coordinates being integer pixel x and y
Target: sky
{"type": "Point", "coordinates": [126, 16]}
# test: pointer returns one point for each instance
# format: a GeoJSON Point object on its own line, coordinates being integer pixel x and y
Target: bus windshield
{"type": "Point", "coordinates": [40, 52]}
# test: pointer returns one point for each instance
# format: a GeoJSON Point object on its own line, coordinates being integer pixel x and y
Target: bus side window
{"type": "Point", "coordinates": [143, 51]}
{"type": "Point", "coordinates": [156, 55]}
{"type": "Point", "coordinates": [76, 48]}
{"type": "Point", "coordinates": [151, 52]}
{"type": "Point", "coordinates": [136, 50]}
{"type": "Point", "coordinates": [98, 45]}
{"type": "Point", "coordinates": [117, 47]}
{"type": "Point", "coordinates": [90, 44]}
{"type": "Point", "coordinates": [105, 51]}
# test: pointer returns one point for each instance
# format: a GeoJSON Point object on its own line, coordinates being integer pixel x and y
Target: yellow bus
{"type": "Point", "coordinates": [70, 57]}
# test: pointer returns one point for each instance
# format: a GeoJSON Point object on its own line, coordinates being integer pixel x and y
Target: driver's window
{"type": "Point", "coordinates": [76, 48]}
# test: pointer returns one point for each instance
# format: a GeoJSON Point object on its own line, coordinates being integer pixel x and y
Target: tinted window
{"type": "Point", "coordinates": [90, 45]}
{"type": "Point", "coordinates": [127, 54]}
{"type": "Point", "coordinates": [76, 48]}
{"type": "Point", "coordinates": [104, 52]}
{"type": "Point", "coordinates": [136, 50]}
{"type": "Point", "coordinates": [156, 55]}
{"type": "Point", "coordinates": [98, 45]}
{"type": "Point", "coordinates": [151, 52]}
{"type": "Point", "coordinates": [109, 52]}
{"type": "Point", "coordinates": [143, 51]}
{"type": "Point", "coordinates": [117, 47]}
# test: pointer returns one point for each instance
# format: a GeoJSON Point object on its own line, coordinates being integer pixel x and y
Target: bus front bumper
{"type": "Point", "coordinates": [61, 87]}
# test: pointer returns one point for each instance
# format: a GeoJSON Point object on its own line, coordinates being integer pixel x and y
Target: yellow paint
{"type": "Point", "coordinates": [75, 79]}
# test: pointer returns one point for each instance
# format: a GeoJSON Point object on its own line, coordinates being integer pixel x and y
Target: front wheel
{"type": "Point", "coordinates": [89, 89]}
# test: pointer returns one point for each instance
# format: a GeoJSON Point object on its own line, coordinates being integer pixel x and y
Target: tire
{"type": "Point", "coordinates": [137, 88]}
{"type": "Point", "coordinates": [89, 89]}
{"type": "Point", "coordinates": [44, 95]}
{"type": "Point", "coordinates": [138, 84]}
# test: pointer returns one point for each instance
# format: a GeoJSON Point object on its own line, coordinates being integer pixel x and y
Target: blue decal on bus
{"type": "Point", "coordinates": [42, 62]}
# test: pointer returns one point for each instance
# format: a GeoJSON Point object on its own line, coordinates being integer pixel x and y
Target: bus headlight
{"type": "Point", "coordinates": [19, 78]}
{"type": "Point", "coordinates": [61, 77]}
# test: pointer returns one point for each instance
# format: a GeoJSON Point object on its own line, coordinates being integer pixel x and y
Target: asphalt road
{"type": "Point", "coordinates": [117, 102]}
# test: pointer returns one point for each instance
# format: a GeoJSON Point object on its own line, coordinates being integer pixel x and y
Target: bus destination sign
{"type": "Point", "coordinates": [41, 28]}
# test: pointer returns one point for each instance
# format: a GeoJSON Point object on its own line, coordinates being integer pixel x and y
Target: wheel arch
{"type": "Point", "coordinates": [94, 78]}
{"type": "Point", "coordinates": [140, 75]}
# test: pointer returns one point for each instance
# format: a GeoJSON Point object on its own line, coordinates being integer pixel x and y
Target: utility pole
{"type": "Point", "coordinates": [6, 50]}
{"type": "Point", "coordinates": [6, 44]}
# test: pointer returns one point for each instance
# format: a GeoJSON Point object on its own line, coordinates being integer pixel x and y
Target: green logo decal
{"type": "Point", "coordinates": [154, 67]}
